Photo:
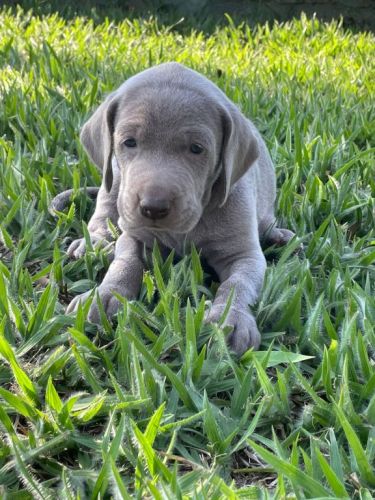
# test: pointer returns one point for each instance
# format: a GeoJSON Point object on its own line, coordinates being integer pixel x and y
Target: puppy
{"type": "Point", "coordinates": [181, 164]}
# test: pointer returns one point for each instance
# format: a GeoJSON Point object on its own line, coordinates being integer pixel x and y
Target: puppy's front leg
{"type": "Point", "coordinates": [124, 276]}
{"type": "Point", "coordinates": [243, 276]}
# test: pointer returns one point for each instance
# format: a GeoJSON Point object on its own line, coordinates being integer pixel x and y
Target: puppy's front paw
{"type": "Point", "coordinates": [77, 248]}
{"type": "Point", "coordinates": [245, 333]}
{"type": "Point", "coordinates": [110, 303]}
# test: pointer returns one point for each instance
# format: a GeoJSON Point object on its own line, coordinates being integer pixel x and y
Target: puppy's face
{"type": "Point", "coordinates": [167, 145]}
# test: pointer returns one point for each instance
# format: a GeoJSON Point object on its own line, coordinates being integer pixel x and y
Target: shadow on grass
{"type": "Point", "coordinates": [201, 15]}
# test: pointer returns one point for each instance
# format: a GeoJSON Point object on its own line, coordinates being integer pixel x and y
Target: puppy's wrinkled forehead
{"type": "Point", "coordinates": [162, 110]}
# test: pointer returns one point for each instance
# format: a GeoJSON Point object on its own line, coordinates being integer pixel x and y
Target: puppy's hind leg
{"type": "Point", "coordinates": [272, 235]}
{"type": "Point", "coordinates": [106, 209]}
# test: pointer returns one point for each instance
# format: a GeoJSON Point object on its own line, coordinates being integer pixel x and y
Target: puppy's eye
{"type": "Point", "coordinates": [196, 148]}
{"type": "Point", "coordinates": [130, 143]}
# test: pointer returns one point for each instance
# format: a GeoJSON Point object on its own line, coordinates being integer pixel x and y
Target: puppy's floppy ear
{"type": "Point", "coordinates": [97, 137]}
{"type": "Point", "coordinates": [239, 150]}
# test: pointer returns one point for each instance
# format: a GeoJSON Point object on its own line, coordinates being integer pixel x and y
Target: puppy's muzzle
{"type": "Point", "coordinates": [154, 208]}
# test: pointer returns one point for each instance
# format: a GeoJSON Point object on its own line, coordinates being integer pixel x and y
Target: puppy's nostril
{"type": "Point", "coordinates": [154, 209]}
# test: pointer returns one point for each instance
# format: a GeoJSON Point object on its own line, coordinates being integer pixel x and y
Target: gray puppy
{"type": "Point", "coordinates": [181, 164]}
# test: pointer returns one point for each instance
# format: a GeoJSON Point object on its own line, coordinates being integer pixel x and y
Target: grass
{"type": "Point", "coordinates": [155, 407]}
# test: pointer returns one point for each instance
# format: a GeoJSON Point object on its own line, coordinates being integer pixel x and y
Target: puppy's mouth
{"type": "Point", "coordinates": [180, 225]}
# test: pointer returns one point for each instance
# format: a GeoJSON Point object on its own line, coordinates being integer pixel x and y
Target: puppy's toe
{"type": "Point", "coordinates": [214, 315]}
{"type": "Point", "coordinates": [80, 299]}
{"type": "Point", "coordinates": [285, 235]}
{"type": "Point", "coordinates": [113, 306]}
{"type": "Point", "coordinates": [279, 237]}
{"type": "Point", "coordinates": [93, 314]}
{"type": "Point", "coordinates": [110, 304]}
{"type": "Point", "coordinates": [245, 334]}
{"type": "Point", "coordinates": [76, 249]}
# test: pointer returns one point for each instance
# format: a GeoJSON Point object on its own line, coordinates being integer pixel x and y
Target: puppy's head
{"type": "Point", "coordinates": [179, 143]}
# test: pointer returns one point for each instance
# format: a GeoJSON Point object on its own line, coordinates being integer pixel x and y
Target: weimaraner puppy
{"type": "Point", "coordinates": [181, 164]}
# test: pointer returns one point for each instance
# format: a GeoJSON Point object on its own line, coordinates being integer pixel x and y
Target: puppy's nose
{"type": "Point", "coordinates": [154, 208]}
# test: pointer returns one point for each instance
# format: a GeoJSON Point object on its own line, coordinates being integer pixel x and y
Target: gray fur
{"type": "Point", "coordinates": [221, 200]}
{"type": "Point", "coordinates": [60, 201]}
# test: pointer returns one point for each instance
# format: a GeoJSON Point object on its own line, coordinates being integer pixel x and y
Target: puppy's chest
{"type": "Point", "coordinates": [180, 243]}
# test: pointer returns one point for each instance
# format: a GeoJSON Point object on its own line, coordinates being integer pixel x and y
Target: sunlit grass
{"type": "Point", "coordinates": [155, 406]}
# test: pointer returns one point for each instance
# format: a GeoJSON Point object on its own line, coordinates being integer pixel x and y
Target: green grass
{"type": "Point", "coordinates": [155, 407]}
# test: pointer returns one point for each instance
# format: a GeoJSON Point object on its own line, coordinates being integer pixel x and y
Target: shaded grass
{"type": "Point", "coordinates": [155, 406]}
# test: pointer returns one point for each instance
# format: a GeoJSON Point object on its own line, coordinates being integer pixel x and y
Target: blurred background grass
{"type": "Point", "coordinates": [206, 14]}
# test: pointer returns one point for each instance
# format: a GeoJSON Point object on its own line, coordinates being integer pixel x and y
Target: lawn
{"type": "Point", "coordinates": [155, 406]}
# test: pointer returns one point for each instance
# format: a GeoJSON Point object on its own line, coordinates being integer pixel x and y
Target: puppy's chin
{"type": "Point", "coordinates": [182, 227]}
